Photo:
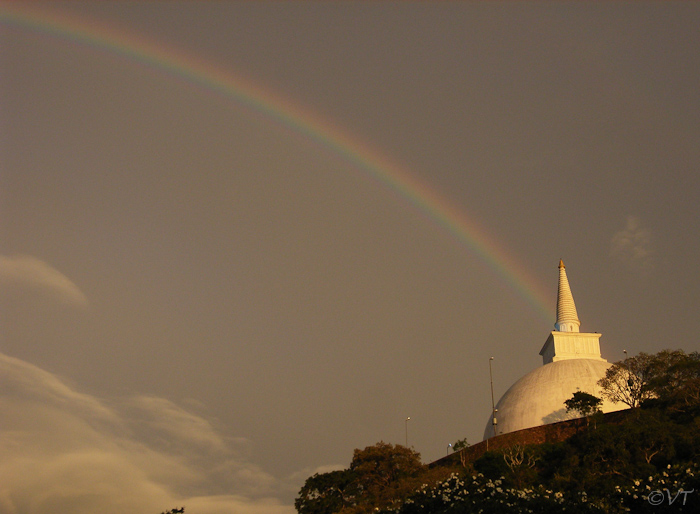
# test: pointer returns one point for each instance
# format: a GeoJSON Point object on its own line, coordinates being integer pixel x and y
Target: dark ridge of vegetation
{"type": "Point", "coordinates": [644, 464]}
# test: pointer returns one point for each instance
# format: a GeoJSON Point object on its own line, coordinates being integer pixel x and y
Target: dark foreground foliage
{"type": "Point", "coordinates": [644, 464]}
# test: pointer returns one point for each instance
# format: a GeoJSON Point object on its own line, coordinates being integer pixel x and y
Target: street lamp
{"type": "Point", "coordinates": [407, 420]}
{"type": "Point", "coordinates": [448, 448]}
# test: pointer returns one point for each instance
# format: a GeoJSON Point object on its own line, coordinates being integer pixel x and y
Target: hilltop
{"type": "Point", "coordinates": [639, 460]}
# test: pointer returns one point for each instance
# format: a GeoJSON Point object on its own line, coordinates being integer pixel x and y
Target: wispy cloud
{"type": "Point", "coordinates": [28, 271]}
{"type": "Point", "coordinates": [633, 246]}
{"type": "Point", "coordinates": [65, 451]}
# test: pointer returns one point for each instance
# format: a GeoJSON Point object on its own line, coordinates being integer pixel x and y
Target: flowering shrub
{"type": "Point", "coordinates": [456, 495]}
{"type": "Point", "coordinates": [675, 490]}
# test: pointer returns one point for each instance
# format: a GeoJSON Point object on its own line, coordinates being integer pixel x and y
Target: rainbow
{"type": "Point", "coordinates": [178, 64]}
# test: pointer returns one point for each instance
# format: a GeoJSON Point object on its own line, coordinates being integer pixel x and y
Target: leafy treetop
{"type": "Point", "coordinates": [583, 403]}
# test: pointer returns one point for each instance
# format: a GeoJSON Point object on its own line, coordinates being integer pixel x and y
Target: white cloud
{"type": "Point", "coordinates": [296, 480]}
{"type": "Point", "coordinates": [633, 246]}
{"type": "Point", "coordinates": [65, 451]}
{"type": "Point", "coordinates": [327, 469]}
{"type": "Point", "coordinates": [229, 504]}
{"type": "Point", "coordinates": [301, 475]}
{"type": "Point", "coordinates": [28, 271]}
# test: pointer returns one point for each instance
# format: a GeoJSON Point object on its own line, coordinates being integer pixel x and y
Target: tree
{"type": "Point", "coordinates": [326, 493]}
{"type": "Point", "coordinates": [383, 471]}
{"type": "Point", "coordinates": [460, 445]}
{"type": "Point", "coordinates": [628, 381]}
{"type": "Point", "coordinates": [584, 403]}
{"type": "Point", "coordinates": [670, 377]}
{"type": "Point", "coordinates": [520, 461]}
{"type": "Point", "coordinates": [379, 476]}
{"type": "Point", "coordinates": [174, 511]}
{"type": "Point", "coordinates": [675, 381]}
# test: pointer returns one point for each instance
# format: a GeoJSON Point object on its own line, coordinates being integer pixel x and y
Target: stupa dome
{"type": "Point", "coordinates": [538, 397]}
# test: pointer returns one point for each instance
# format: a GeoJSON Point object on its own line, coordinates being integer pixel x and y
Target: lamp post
{"type": "Point", "coordinates": [407, 420]}
{"type": "Point", "coordinates": [448, 448]}
{"type": "Point", "coordinates": [493, 404]}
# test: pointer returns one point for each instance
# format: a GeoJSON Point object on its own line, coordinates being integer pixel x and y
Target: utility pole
{"type": "Point", "coordinates": [494, 421]}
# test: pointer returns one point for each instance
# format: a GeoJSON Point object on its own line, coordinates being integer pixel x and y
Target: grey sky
{"type": "Point", "coordinates": [186, 284]}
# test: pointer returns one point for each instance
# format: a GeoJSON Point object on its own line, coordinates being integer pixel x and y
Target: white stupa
{"type": "Point", "coordinates": [571, 362]}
